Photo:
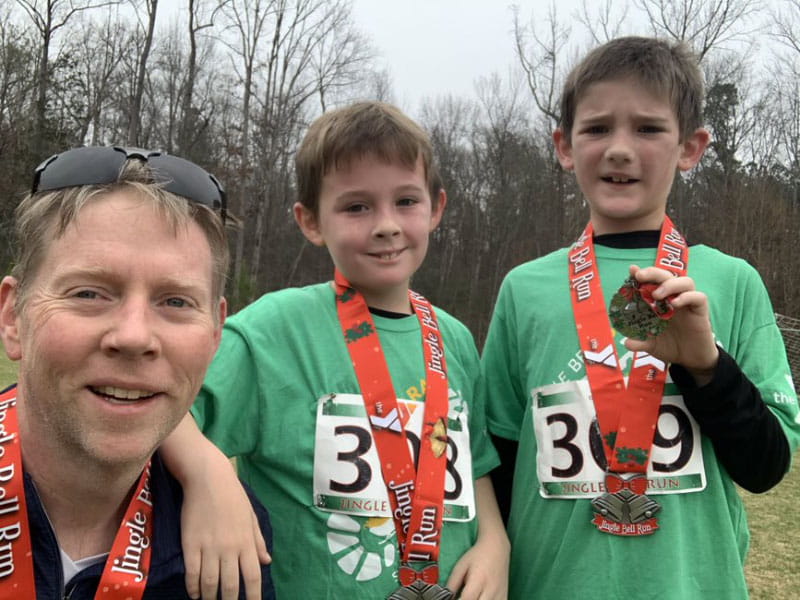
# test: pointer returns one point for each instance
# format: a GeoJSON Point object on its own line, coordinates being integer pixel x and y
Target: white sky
{"type": "Point", "coordinates": [443, 46]}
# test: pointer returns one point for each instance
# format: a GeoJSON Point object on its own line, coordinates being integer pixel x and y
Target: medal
{"type": "Point", "coordinates": [635, 313]}
{"type": "Point", "coordinates": [627, 411]}
{"type": "Point", "coordinates": [625, 509]}
{"type": "Point", "coordinates": [420, 589]}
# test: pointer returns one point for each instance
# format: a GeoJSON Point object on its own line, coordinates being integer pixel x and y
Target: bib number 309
{"type": "Point", "coordinates": [570, 458]}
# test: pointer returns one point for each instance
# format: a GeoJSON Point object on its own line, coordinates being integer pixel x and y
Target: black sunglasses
{"type": "Point", "coordinates": [94, 165]}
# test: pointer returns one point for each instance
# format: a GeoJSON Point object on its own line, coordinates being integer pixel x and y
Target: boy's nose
{"type": "Point", "coordinates": [386, 225]}
{"type": "Point", "coordinates": [619, 149]}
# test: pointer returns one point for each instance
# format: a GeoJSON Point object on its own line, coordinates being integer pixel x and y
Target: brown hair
{"type": "Point", "coordinates": [355, 131]}
{"type": "Point", "coordinates": [667, 69]}
{"type": "Point", "coordinates": [42, 217]}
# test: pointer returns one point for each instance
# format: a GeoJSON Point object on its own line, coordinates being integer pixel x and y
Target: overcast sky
{"type": "Point", "coordinates": [440, 46]}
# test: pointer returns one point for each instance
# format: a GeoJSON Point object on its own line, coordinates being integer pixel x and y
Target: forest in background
{"type": "Point", "coordinates": [233, 84]}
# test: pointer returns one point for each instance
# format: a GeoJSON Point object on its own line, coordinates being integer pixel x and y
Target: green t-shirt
{"type": "Point", "coordinates": [536, 393]}
{"type": "Point", "coordinates": [282, 396]}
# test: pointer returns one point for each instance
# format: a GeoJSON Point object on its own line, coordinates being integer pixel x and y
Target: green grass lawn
{"type": "Point", "coordinates": [773, 569]}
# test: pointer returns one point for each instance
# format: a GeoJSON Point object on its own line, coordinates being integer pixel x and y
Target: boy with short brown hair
{"type": "Point", "coordinates": [350, 404]}
{"type": "Point", "coordinates": [628, 433]}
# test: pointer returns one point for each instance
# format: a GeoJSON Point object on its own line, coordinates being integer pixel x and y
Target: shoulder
{"type": "Point", "coordinates": [708, 255]}
{"type": "Point", "coordinates": [285, 312]}
{"type": "Point", "coordinates": [289, 300]}
{"type": "Point", "coordinates": [712, 265]}
{"type": "Point", "coordinates": [450, 325]}
{"type": "Point", "coordinates": [536, 282]}
{"type": "Point", "coordinates": [552, 262]}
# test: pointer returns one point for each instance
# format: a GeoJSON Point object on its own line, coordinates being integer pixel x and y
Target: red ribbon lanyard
{"type": "Point", "coordinates": [125, 573]}
{"type": "Point", "coordinates": [416, 494]}
{"type": "Point", "coordinates": [627, 416]}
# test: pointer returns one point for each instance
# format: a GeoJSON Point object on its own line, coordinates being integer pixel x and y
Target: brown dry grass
{"type": "Point", "coordinates": [773, 566]}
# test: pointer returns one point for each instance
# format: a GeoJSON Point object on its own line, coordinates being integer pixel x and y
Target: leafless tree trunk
{"type": "Point", "coordinates": [48, 16]}
{"type": "Point", "coordinates": [134, 124]}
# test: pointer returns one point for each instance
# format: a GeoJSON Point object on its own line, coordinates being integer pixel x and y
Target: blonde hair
{"type": "Point", "coordinates": [43, 217]}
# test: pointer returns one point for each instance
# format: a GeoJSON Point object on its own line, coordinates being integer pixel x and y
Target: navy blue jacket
{"type": "Point", "coordinates": [166, 579]}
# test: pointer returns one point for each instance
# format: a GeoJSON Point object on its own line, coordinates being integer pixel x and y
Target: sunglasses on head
{"type": "Point", "coordinates": [95, 165]}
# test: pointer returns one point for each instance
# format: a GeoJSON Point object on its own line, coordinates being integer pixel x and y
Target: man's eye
{"type": "Point", "coordinates": [406, 201]}
{"type": "Point", "coordinates": [86, 294]}
{"type": "Point", "coordinates": [650, 129]}
{"type": "Point", "coordinates": [355, 208]}
{"type": "Point", "coordinates": [176, 302]}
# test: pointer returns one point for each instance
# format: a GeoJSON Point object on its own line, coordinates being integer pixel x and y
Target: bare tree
{"type": "Point", "coordinates": [134, 124]}
{"type": "Point", "coordinates": [200, 17]}
{"type": "Point", "coordinates": [539, 55]}
{"type": "Point", "coordinates": [704, 24]}
{"type": "Point", "coordinates": [48, 16]}
{"type": "Point", "coordinates": [603, 24]}
{"type": "Point", "coordinates": [96, 51]}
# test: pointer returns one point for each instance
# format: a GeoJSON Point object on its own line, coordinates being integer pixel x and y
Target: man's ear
{"type": "Point", "coordinates": [9, 323]}
{"type": "Point", "coordinates": [222, 314]}
{"type": "Point", "coordinates": [692, 149]}
{"type": "Point", "coordinates": [308, 223]}
{"type": "Point", "coordinates": [563, 149]}
{"type": "Point", "coordinates": [438, 211]}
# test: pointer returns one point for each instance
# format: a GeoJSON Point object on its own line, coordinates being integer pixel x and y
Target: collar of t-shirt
{"type": "Point", "coordinates": [631, 239]}
{"type": "Point", "coordinates": [388, 314]}
{"type": "Point", "coordinates": [73, 567]}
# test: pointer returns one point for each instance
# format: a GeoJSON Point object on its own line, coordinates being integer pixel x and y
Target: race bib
{"type": "Point", "coordinates": [347, 470]}
{"type": "Point", "coordinates": [570, 461]}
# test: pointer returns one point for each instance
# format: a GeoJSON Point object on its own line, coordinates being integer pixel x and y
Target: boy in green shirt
{"type": "Point", "coordinates": [350, 404]}
{"type": "Point", "coordinates": [625, 436]}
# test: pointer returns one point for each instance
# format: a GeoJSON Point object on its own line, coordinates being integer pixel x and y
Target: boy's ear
{"type": "Point", "coordinates": [692, 149]}
{"type": "Point", "coordinates": [308, 223]}
{"type": "Point", "coordinates": [436, 214]}
{"type": "Point", "coordinates": [9, 324]}
{"type": "Point", "coordinates": [563, 149]}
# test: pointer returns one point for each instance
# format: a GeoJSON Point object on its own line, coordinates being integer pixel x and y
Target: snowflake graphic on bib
{"type": "Point", "coordinates": [362, 549]}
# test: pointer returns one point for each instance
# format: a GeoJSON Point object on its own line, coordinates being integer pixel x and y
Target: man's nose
{"type": "Point", "coordinates": [132, 330]}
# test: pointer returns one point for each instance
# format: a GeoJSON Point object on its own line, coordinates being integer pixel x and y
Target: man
{"type": "Point", "coordinates": [114, 310]}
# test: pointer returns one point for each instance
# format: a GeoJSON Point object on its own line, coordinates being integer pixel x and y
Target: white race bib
{"type": "Point", "coordinates": [570, 460]}
{"type": "Point", "coordinates": [347, 471]}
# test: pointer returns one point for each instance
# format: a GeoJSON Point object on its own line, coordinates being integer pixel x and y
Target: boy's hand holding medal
{"type": "Point", "coordinates": [668, 318]}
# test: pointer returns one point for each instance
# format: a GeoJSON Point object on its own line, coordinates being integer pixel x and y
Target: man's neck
{"type": "Point", "coordinates": [84, 502]}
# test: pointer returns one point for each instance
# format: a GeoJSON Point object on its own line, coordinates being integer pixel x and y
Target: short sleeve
{"type": "Point", "coordinates": [227, 409]}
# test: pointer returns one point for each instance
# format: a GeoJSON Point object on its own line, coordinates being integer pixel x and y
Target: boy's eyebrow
{"type": "Point", "coordinates": [602, 116]}
{"type": "Point", "coordinates": [363, 193]}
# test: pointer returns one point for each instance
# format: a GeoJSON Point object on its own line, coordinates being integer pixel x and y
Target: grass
{"type": "Point", "coordinates": [772, 569]}
{"type": "Point", "coordinates": [8, 371]}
